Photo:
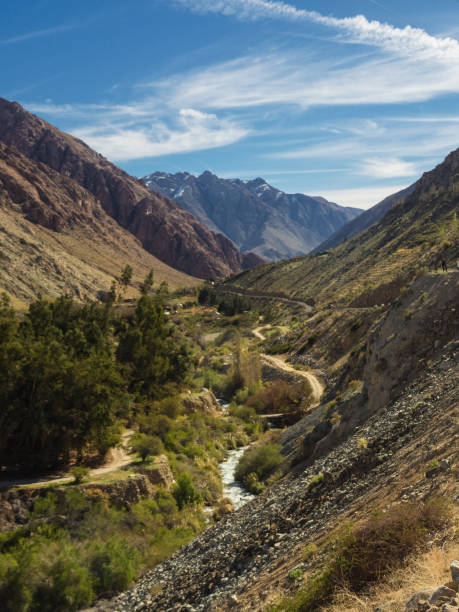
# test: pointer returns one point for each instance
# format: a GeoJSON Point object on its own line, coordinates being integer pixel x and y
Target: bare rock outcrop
{"type": "Point", "coordinates": [162, 226]}
{"type": "Point", "coordinates": [205, 402]}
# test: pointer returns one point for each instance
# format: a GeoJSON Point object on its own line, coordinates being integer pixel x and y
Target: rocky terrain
{"type": "Point", "coordinates": [412, 236]}
{"type": "Point", "coordinates": [56, 238]}
{"type": "Point", "coordinates": [244, 561]}
{"type": "Point", "coordinates": [17, 503]}
{"type": "Point", "coordinates": [254, 215]}
{"type": "Point", "coordinates": [162, 227]}
{"type": "Point", "coordinates": [384, 434]}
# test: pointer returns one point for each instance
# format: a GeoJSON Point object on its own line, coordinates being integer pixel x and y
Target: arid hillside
{"type": "Point", "coordinates": [163, 228]}
{"type": "Point", "coordinates": [415, 234]}
{"type": "Point", "coordinates": [55, 236]}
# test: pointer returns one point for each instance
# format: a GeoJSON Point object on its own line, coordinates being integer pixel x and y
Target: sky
{"type": "Point", "coordinates": [348, 99]}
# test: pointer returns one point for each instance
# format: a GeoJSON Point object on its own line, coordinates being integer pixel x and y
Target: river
{"type": "Point", "coordinates": [231, 488]}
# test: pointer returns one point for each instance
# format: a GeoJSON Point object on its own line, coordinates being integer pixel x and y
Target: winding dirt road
{"type": "Point", "coordinates": [279, 363]}
{"type": "Point", "coordinates": [118, 458]}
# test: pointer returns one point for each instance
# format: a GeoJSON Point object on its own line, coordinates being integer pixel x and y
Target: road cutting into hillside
{"type": "Point", "coordinates": [277, 361]}
{"type": "Point", "coordinates": [118, 458]}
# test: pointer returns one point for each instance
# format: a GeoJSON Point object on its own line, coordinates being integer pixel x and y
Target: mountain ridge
{"type": "Point", "coordinates": [416, 233]}
{"type": "Point", "coordinates": [161, 225]}
{"type": "Point", "coordinates": [254, 215]}
{"type": "Point", "coordinates": [365, 220]}
{"type": "Point", "coordinates": [56, 238]}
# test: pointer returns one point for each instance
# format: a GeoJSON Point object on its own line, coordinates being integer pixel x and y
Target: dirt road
{"type": "Point", "coordinates": [116, 459]}
{"type": "Point", "coordinates": [279, 363]}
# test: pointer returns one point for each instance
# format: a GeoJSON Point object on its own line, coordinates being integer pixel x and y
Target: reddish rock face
{"type": "Point", "coordinates": [161, 225]}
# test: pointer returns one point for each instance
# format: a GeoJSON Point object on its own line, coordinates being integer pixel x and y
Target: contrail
{"type": "Point", "coordinates": [411, 42]}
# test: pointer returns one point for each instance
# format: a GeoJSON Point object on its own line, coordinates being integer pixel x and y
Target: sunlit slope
{"type": "Point", "coordinates": [414, 234]}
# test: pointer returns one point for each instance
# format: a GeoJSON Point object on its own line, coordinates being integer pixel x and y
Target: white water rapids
{"type": "Point", "coordinates": [231, 488]}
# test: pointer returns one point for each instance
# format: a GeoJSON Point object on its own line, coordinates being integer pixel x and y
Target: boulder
{"type": "Point", "coordinates": [204, 402]}
{"type": "Point", "coordinates": [418, 599]}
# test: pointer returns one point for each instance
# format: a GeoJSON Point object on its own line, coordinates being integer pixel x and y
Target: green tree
{"type": "Point", "coordinates": [184, 491]}
{"type": "Point", "coordinates": [147, 284]}
{"type": "Point", "coordinates": [126, 276]}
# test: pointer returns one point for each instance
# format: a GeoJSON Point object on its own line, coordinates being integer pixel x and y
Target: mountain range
{"type": "Point", "coordinates": [254, 215]}
{"type": "Point", "coordinates": [418, 228]}
{"type": "Point", "coordinates": [160, 225]}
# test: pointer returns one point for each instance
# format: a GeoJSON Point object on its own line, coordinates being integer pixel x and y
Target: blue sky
{"type": "Point", "coordinates": [348, 100]}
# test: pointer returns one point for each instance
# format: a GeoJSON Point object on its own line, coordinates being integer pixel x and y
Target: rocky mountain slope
{"type": "Point", "coordinates": [55, 237]}
{"type": "Point", "coordinates": [245, 561]}
{"type": "Point", "coordinates": [365, 220]}
{"type": "Point", "coordinates": [414, 234]}
{"type": "Point", "coordinates": [384, 435]}
{"type": "Point", "coordinates": [163, 228]}
{"type": "Point", "coordinates": [254, 215]}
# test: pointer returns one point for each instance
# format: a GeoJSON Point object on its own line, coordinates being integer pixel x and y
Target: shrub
{"type": "Point", "coordinates": [316, 480]}
{"type": "Point", "coordinates": [335, 418]}
{"type": "Point", "coordinates": [67, 586]}
{"type": "Point", "coordinates": [309, 552]}
{"type": "Point", "coordinates": [253, 484]}
{"type": "Point", "coordinates": [146, 446]}
{"type": "Point", "coordinates": [79, 474]}
{"type": "Point", "coordinates": [260, 460]}
{"type": "Point", "coordinates": [281, 396]}
{"type": "Point", "coordinates": [362, 443]}
{"type": "Point", "coordinates": [361, 554]}
{"type": "Point", "coordinates": [296, 574]}
{"type": "Point", "coordinates": [184, 491]}
{"type": "Point", "coordinates": [114, 565]}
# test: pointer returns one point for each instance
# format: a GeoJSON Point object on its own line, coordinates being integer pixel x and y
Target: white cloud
{"type": "Point", "coordinates": [427, 140]}
{"type": "Point", "coordinates": [364, 197]}
{"type": "Point", "coordinates": [193, 131]}
{"type": "Point", "coordinates": [406, 41]}
{"type": "Point", "coordinates": [302, 79]}
{"type": "Point", "coordinates": [387, 168]}
{"type": "Point", "coordinates": [37, 34]}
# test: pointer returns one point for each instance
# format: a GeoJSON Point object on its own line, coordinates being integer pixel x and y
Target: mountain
{"type": "Point", "coordinates": [411, 236]}
{"type": "Point", "coordinates": [366, 219]}
{"type": "Point", "coordinates": [162, 226]}
{"type": "Point", "coordinates": [254, 215]}
{"type": "Point", "coordinates": [370, 466]}
{"type": "Point", "coordinates": [56, 238]}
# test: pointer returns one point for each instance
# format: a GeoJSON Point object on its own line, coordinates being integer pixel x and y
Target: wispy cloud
{"type": "Point", "coordinates": [303, 78]}
{"type": "Point", "coordinates": [38, 34]}
{"type": "Point", "coordinates": [362, 197]}
{"type": "Point", "coordinates": [380, 168]}
{"type": "Point", "coordinates": [406, 41]}
{"type": "Point", "coordinates": [193, 131]}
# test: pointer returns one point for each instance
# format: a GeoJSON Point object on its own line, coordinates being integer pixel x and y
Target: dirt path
{"type": "Point", "coordinates": [117, 458]}
{"type": "Point", "coordinates": [279, 363]}
{"type": "Point", "coordinates": [257, 332]}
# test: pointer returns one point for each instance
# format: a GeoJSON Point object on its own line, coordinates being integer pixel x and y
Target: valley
{"type": "Point", "coordinates": [184, 426]}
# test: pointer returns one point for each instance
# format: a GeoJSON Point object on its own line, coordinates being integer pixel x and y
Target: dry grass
{"type": "Point", "coordinates": [428, 570]}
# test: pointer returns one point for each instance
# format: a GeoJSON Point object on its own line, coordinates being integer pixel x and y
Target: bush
{"type": "Point", "coordinates": [67, 587]}
{"type": "Point", "coordinates": [146, 446]}
{"type": "Point", "coordinates": [260, 460]}
{"type": "Point", "coordinates": [184, 491]}
{"type": "Point", "coordinates": [361, 554]}
{"type": "Point", "coordinates": [114, 566]}
{"type": "Point", "coordinates": [281, 396]}
{"type": "Point", "coordinates": [79, 474]}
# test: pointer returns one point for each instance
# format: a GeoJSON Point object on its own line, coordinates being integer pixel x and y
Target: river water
{"type": "Point", "coordinates": [231, 488]}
